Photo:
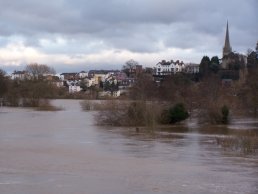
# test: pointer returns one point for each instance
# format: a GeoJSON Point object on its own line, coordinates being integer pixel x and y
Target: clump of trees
{"type": "Point", "coordinates": [209, 66]}
{"type": "Point", "coordinates": [225, 114]}
{"type": "Point", "coordinates": [137, 113]}
{"type": "Point", "coordinates": [130, 68]}
{"type": "Point", "coordinates": [208, 98]}
{"type": "Point", "coordinates": [3, 83]}
{"type": "Point", "coordinates": [128, 113]}
{"type": "Point", "coordinates": [32, 91]}
{"type": "Point", "coordinates": [37, 71]}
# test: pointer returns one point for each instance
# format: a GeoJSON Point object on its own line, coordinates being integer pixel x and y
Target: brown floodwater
{"type": "Point", "coordinates": [65, 152]}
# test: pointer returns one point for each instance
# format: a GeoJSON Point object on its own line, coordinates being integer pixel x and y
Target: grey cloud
{"type": "Point", "coordinates": [136, 25]}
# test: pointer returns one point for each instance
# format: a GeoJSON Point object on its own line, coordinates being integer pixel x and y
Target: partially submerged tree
{"type": "Point", "coordinates": [144, 88]}
{"type": "Point", "coordinates": [249, 92]}
{"type": "Point", "coordinates": [174, 114]}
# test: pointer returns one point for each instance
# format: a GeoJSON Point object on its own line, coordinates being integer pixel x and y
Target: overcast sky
{"type": "Point", "coordinates": [93, 34]}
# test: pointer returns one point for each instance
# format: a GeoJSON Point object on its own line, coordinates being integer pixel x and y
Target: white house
{"type": "Point", "coordinates": [74, 89]}
{"type": "Point", "coordinates": [116, 93]}
{"type": "Point", "coordinates": [168, 67]}
{"type": "Point", "coordinates": [59, 84]}
{"type": "Point", "coordinates": [20, 75]}
{"type": "Point", "coordinates": [89, 82]}
{"type": "Point", "coordinates": [191, 68]}
{"type": "Point", "coordinates": [69, 76]}
{"type": "Point", "coordinates": [99, 77]}
{"type": "Point", "coordinates": [83, 74]}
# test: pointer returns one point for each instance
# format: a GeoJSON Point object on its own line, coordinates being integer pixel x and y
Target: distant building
{"type": "Point", "coordinates": [89, 81]}
{"type": "Point", "coordinates": [83, 74]}
{"type": "Point", "coordinates": [19, 75]}
{"type": "Point", "coordinates": [135, 70]}
{"type": "Point", "coordinates": [74, 88]}
{"type": "Point", "coordinates": [192, 68]}
{"type": "Point", "coordinates": [116, 93]}
{"type": "Point", "coordinates": [120, 76]}
{"type": "Point", "coordinates": [69, 76]}
{"type": "Point", "coordinates": [227, 49]}
{"type": "Point", "coordinates": [164, 68]}
{"type": "Point", "coordinates": [233, 65]}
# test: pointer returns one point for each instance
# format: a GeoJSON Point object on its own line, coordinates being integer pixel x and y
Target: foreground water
{"type": "Point", "coordinates": [64, 152]}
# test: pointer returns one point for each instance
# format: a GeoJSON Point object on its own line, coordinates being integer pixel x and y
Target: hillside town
{"type": "Point", "coordinates": [231, 66]}
{"type": "Point", "coordinates": [112, 82]}
{"type": "Point", "coordinates": [128, 97]}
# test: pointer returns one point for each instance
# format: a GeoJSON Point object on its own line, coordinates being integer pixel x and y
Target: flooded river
{"type": "Point", "coordinates": [65, 153]}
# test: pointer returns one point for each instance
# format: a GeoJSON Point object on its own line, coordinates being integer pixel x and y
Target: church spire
{"type": "Point", "coordinates": [227, 48]}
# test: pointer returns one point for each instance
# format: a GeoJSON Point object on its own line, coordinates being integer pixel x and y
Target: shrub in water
{"type": "Point", "coordinates": [225, 114]}
{"type": "Point", "coordinates": [174, 114]}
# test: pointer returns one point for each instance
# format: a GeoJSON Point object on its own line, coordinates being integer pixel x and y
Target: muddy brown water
{"type": "Point", "coordinates": [65, 152]}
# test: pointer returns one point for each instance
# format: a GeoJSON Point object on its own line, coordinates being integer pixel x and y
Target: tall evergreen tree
{"type": "Point", "coordinates": [204, 66]}
{"type": "Point", "coordinates": [214, 65]}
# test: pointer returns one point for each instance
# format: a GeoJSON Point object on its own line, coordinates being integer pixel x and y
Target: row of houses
{"type": "Point", "coordinates": [112, 82]}
{"type": "Point", "coordinates": [87, 79]}
{"type": "Point", "coordinates": [164, 68]}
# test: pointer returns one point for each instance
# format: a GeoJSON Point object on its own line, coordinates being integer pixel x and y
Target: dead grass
{"type": "Point", "coordinates": [124, 113]}
{"type": "Point", "coordinates": [45, 105]}
{"type": "Point", "coordinates": [241, 142]}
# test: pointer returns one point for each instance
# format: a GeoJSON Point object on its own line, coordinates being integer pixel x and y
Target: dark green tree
{"type": "Point", "coordinates": [225, 114]}
{"type": "Point", "coordinates": [204, 66]}
{"type": "Point", "coordinates": [3, 83]}
{"type": "Point", "coordinates": [174, 114]}
{"type": "Point", "coordinates": [215, 59]}
{"type": "Point", "coordinates": [252, 59]}
{"type": "Point", "coordinates": [214, 64]}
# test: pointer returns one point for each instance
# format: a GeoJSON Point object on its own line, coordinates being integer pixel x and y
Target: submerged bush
{"type": "Point", "coordinates": [225, 114]}
{"type": "Point", "coordinates": [135, 113]}
{"type": "Point", "coordinates": [242, 142]}
{"type": "Point", "coordinates": [126, 113]}
{"type": "Point", "coordinates": [174, 114]}
{"type": "Point", "coordinates": [215, 114]}
{"type": "Point", "coordinates": [45, 105]}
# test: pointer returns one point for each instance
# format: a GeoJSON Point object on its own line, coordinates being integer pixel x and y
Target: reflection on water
{"type": "Point", "coordinates": [64, 152]}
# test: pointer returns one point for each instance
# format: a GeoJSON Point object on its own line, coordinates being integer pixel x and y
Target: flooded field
{"type": "Point", "coordinates": [65, 152]}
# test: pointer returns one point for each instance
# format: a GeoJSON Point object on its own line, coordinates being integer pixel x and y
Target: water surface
{"type": "Point", "coordinates": [65, 152]}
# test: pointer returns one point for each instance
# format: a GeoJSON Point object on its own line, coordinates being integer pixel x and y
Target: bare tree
{"type": "Point", "coordinates": [38, 70]}
{"type": "Point", "coordinates": [144, 88]}
{"type": "Point", "coordinates": [129, 67]}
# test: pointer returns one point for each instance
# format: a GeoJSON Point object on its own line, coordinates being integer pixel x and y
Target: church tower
{"type": "Point", "coordinates": [227, 48]}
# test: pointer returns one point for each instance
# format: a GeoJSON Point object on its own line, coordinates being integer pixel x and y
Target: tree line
{"type": "Point", "coordinates": [32, 91]}
{"type": "Point", "coordinates": [212, 95]}
{"type": "Point", "coordinates": [205, 91]}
